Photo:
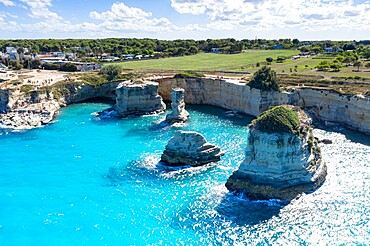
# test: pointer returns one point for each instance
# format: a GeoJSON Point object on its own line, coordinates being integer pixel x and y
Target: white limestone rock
{"type": "Point", "coordinates": [179, 113]}
{"type": "Point", "coordinates": [279, 165]}
{"type": "Point", "coordinates": [190, 148]}
{"type": "Point", "coordinates": [138, 99]}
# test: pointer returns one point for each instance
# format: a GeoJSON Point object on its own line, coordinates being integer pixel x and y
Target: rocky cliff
{"type": "Point", "coordinates": [37, 108]}
{"type": "Point", "coordinates": [351, 111]}
{"type": "Point", "coordinates": [279, 163]}
{"type": "Point", "coordinates": [138, 99]}
{"type": "Point", "coordinates": [4, 99]}
{"type": "Point", "coordinates": [79, 93]}
{"type": "Point", "coordinates": [190, 148]}
{"type": "Point", "coordinates": [179, 113]}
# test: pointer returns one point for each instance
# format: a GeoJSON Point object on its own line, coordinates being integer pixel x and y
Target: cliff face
{"type": "Point", "coordinates": [138, 99]}
{"type": "Point", "coordinates": [4, 99]}
{"type": "Point", "coordinates": [351, 111]}
{"type": "Point", "coordinates": [278, 166]}
{"type": "Point", "coordinates": [84, 92]}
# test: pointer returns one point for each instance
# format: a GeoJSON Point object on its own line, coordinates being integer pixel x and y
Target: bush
{"type": "Point", "coordinates": [111, 72]}
{"type": "Point", "coordinates": [188, 74]}
{"type": "Point", "coordinates": [265, 79]}
{"type": "Point", "coordinates": [50, 66]}
{"type": "Point", "coordinates": [269, 59]}
{"type": "Point", "coordinates": [280, 59]}
{"type": "Point", "coordinates": [68, 67]}
{"type": "Point", "coordinates": [15, 65]}
{"type": "Point", "coordinates": [278, 119]}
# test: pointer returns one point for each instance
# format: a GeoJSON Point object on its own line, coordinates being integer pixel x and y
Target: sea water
{"type": "Point", "coordinates": [85, 181]}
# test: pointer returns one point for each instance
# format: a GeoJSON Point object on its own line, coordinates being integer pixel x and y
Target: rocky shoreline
{"type": "Point", "coordinates": [327, 106]}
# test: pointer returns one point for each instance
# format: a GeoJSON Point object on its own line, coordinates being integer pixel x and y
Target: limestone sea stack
{"type": "Point", "coordinates": [190, 148]}
{"type": "Point", "coordinates": [138, 99]}
{"type": "Point", "coordinates": [179, 113]}
{"type": "Point", "coordinates": [283, 158]}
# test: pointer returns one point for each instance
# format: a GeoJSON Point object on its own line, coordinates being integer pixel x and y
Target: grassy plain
{"type": "Point", "coordinates": [209, 62]}
{"type": "Point", "coordinates": [247, 62]}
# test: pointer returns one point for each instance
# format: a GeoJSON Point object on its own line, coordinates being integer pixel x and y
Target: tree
{"type": "Point", "coordinates": [265, 79]}
{"type": "Point", "coordinates": [323, 66]}
{"type": "Point", "coordinates": [366, 53]}
{"type": "Point", "coordinates": [111, 71]}
{"type": "Point", "coordinates": [367, 65]}
{"type": "Point", "coordinates": [357, 64]}
{"type": "Point", "coordinates": [193, 50]}
{"type": "Point", "coordinates": [336, 67]}
{"type": "Point", "coordinates": [269, 59]}
{"type": "Point", "coordinates": [295, 41]}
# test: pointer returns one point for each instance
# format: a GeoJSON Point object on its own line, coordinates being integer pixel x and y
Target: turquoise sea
{"type": "Point", "coordinates": [81, 181]}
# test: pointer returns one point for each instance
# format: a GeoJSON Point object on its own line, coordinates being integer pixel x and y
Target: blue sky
{"type": "Point", "coordinates": [179, 19]}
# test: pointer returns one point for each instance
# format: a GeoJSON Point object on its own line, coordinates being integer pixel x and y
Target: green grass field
{"type": "Point", "coordinates": [209, 62]}
{"type": "Point", "coordinates": [246, 62]}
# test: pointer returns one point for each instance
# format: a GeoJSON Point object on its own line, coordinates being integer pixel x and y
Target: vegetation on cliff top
{"type": "Point", "coordinates": [280, 119]}
{"type": "Point", "coordinates": [265, 79]}
{"type": "Point", "coordinates": [188, 74]}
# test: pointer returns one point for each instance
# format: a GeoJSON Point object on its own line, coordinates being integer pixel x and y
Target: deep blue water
{"type": "Point", "coordinates": [81, 181]}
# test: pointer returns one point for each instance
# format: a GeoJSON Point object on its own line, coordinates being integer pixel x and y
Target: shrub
{"type": "Point", "coordinates": [111, 72]}
{"type": "Point", "coordinates": [278, 119]}
{"type": "Point", "coordinates": [68, 67]}
{"type": "Point", "coordinates": [265, 79]}
{"type": "Point", "coordinates": [50, 66]}
{"type": "Point", "coordinates": [269, 59]}
{"type": "Point", "coordinates": [188, 74]}
{"type": "Point", "coordinates": [15, 65]}
{"type": "Point", "coordinates": [280, 59]}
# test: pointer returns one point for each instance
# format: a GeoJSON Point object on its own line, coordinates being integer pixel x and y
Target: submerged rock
{"type": "Point", "coordinates": [138, 99]}
{"type": "Point", "coordinates": [179, 113]}
{"type": "Point", "coordinates": [190, 148]}
{"type": "Point", "coordinates": [282, 159]}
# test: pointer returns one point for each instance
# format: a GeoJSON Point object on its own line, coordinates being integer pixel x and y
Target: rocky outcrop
{"type": "Point", "coordinates": [179, 113]}
{"type": "Point", "coordinates": [279, 165]}
{"type": "Point", "coordinates": [190, 148]}
{"type": "Point", "coordinates": [4, 99]}
{"type": "Point", "coordinates": [138, 99]}
{"type": "Point", "coordinates": [350, 111]}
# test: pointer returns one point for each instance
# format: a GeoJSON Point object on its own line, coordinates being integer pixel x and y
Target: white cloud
{"type": "Point", "coordinates": [119, 11]}
{"type": "Point", "coordinates": [269, 14]}
{"type": "Point", "coordinates": [40, 9]}
{"type": "Point", "coordinates": [122, 17]}
{"type": "Point", "coordinates": [7, 2]}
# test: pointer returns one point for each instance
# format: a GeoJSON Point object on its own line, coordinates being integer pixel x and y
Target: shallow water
{"type": "Point", "coordinates": [81, 181]}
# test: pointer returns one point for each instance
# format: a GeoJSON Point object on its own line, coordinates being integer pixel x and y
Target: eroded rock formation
{"type": "Point", "coordinates": [190, 148]}
{"type": "Point", "coordinates": [138, 99]}
{"type": "Point", "coordinates": [179, 113]}
{"type": "Point", "coordinates": [279, 164]}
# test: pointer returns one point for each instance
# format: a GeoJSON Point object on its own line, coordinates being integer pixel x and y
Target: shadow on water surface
{"type": "Point", "coordinates": [220, 215]}
{"type": "Point", "coordinates": [242, 211]}
{"type": "Point", "coordinates": [153, 172]}
{"type": "Point", "coordinates": [352, 135]}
